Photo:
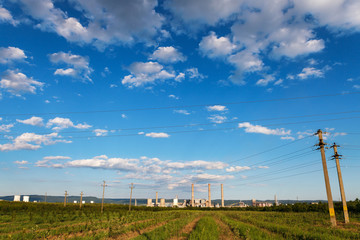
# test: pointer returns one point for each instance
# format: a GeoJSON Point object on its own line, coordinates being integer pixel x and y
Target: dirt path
{"type": "Point", "coordinates": [225, 231]}
{"type": "Point", "coordinates": [183, 234]}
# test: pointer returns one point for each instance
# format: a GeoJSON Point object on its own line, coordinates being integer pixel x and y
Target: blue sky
{"type": "Point", "coordinates": [168, 93]}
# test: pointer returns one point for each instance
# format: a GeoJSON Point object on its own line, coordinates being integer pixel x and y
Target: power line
{"type": "Point", "coordinates": [292, 175]}
{"type": "Point", "coordinates": [204, 130]}
{"type": "Point", "coordinates": [206, 124]}
{"type": "Point", "coordinates": [182, 106]}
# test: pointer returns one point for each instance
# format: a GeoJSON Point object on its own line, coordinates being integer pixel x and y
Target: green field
{"type": "Point", "coordinates": [54, 221]}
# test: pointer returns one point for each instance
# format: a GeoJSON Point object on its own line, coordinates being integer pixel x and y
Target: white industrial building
{"type": "Point", "coordinates": [17, 198]}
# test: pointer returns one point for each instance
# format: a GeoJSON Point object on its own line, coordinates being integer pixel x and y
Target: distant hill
{"type": "Point", "coordinates": [141, 201]}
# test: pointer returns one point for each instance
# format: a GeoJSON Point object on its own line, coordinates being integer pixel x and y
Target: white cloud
{"type": "Point", "coordinates": [78, 66]}
{"type": "Point", "coordinates": [173, 96]}
{"type": "Point", "coordinates": [197, 164]}
{"type": "Point", "coordinates": [193, 73]}
{"type": "Point", "coordinates": [32, 141]}
{"type": "Point", "coordinates": [264, 167]}
{"type": "Point", "coordinates": [23, 162]}
{"type": "Point", "coordinates": [34, 121]}
{"type": "Point", "coordinates": [100, 132]}
{"type": "Point", "coordinates": [238, 168]}
{"type": "Point", "coordinates": [249, 128]}
{"type": "Point", "coordinates": [265, 81]}
{"type": "Point", "coordinates": [143, 73]}
{"type": "Point", "coordinates": [304, 134]}
{"type": "Point", "coordinates": [18, 83]}
{"type": "Point", "coordinates": [59, 123]}
{"type": "Point", "coordinates": [288, 138]}
{"type": "Point", "coordinates": [212, 177]}
{"type": "Point", "coordinates": [123, 115]}
{"type": "Point", "coordinates": [56, 158]}
{"type": "Point", "coordinates": [203, 11]}
{"type": "Point", "coordinates": [5, 16]}
{"type": "Point", "coordinates": [216, 108]}
{"type": "Point", "coordinates": [180, 77]}
{"type": "Point", "coordinates": [6, 127]}
{"type": "Point", "coordinates": [215, 47]}
{"type": "Point", "coordinates": [157, 135]}
{"type": "Point", "coordinates": [356, 86]}
{"type": "Point", "coordinates": [217, 118]}
{"type": "Point", "coordinates": [311, 72]}
{"type": "Point", "coordinates": [107, 22]}
{"type": "Point", "coordinates": [10, 54]}
{"type": "Point", "coordinates": [168, 55]}
{"type": "Point", "coordinates": [185, 112]}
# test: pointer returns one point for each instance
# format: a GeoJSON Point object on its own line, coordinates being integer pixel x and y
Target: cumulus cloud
{"type": "Point", "coordinates": [23, 162]}
{"type": "Point", "coordinates": [143, 73]}
{"type": "Point", "coordinates": [203, 11]}
{"type": "Point", "coordinates": [173, 97]}
{"type": "Point", "coordinates": [193, 73]}
{"type": "Point", "coordinates": [168, 55]}
{"type": "Point", "coordinates": [107, 22]}
{"type": "Point", "coordinates": [6, 127]}
{"type": "Point", "coordinates": [18, 83]}
{"type": "Point", "coordinates": [100, 132]}
{"type": "Point", "coordinates": [181, 111]}
{"type": "Point", "coordinates": [59, 123]}
{"type": "Point", "coordinates": [34, 121]}
{"type": "Point", "coordinates": [214, 47]}
{"type": "Point", "coordinates": [311, 72]}
{"type": "Point", "coordinates": [287, 138]}
{"type": "Point", "coordinates": [78, 66]}
{"type": "Point", "coordinates": [11, 54]}
{"type": "Point", "coordinates": [263, 82]}
{"type": "Point", "coordinates": [216, 108]}
{"type": "Point", "coordinates": [238, 168]}
{"type": "Point", "coordinates": [32, 141]}
{"type": "Point", "coordinates": [157, 135]}
{"type": "Point", "coordinates": [5, 16]}
{"type": "Point", "coordinates": [249, 128]}
{"type": "Point", "coordinates": [217, 118]}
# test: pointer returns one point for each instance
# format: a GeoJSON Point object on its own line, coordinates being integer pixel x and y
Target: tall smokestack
{"type": "Point", "coordinates": [156, 200]}
{"type": "Point", "coordinates": [222, 195]}
{"type": "Point", "coordinates": [209, 196]}
{"type": "Point", "coordinates": [192, 195]}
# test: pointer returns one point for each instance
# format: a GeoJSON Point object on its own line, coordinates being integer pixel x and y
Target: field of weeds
{"type": "Point", "coordinates": [54, 221]}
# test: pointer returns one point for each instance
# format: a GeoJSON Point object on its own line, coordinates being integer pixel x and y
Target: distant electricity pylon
{"type": "Point", "coordinates": [326, 176]}
{"type": "Point", "coordinates": [131, 187]}
{"type": "Point", "coordinates": [336, 156]}
{"type": "Point", "coordinates": [102, 202]}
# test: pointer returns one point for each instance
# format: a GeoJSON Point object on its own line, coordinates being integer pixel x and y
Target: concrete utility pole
{"type": "Point", "coordinates": [156, 200]}
{"type": "Point", "coordinates": [222, 195]}
{"type": "Point", "coordinates": [81, 194]}
{"type": "Point", "coordinates": [102, 202]}
{"type": "Point", "coordinates": [327, 182]}
{"type": "Point", "coordinates": [65, 199]}
{"type": "Point", "coordinates": [192, 195]}
{"type": "Point", "coordinates": [131, 187]}
{"type": "Point", "coordinates": [209, 195]}
{"type": "Point", "coordinates": [342, 191]}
